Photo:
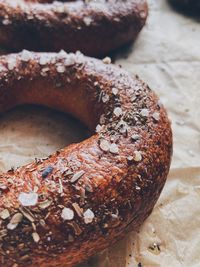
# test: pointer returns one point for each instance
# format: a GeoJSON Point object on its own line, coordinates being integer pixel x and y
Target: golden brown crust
{"type": "Point", "coordinates": [61, 210]}
{"type": "Point", "coordinates": [92, 27]}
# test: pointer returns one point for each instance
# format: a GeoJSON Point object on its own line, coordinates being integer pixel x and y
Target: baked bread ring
{"type": "Point", "coordinates": [61, 210]}
{"type": "Point", "coordinates": [92, 27]}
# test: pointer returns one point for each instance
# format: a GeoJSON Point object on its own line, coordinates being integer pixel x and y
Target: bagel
{"type": "Point", "coordinates": [61, 210]}
{"type": "Point", "coordinates": [92, 27]}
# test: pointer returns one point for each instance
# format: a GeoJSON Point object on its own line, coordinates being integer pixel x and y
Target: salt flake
{"type": "Point", "coordinates": [28, 199]}
{"type": "Point", "coordinates": [88, 216]}
{"type": "Point", "coordinates": [67, 214]}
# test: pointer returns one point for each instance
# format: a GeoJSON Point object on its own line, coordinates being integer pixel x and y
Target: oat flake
{"type": "Point", "coordinates": [17, 218]}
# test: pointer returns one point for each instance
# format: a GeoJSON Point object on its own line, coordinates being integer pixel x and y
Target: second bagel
{"type": "Point", "coordinates": [93, 27]}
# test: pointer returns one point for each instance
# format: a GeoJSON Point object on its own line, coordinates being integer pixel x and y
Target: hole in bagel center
{"type": "Point", "coordinates": [30, 132]}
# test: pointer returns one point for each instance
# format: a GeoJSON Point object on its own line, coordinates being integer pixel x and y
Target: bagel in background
{"type": "Point", "coordinates": [93, 27]}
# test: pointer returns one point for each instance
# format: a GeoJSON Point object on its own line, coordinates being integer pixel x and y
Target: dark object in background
{"type": "Point", "coordinates": [191, 7]}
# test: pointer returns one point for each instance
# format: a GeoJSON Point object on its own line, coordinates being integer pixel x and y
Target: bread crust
{"type": "Point", "coordinates": [61, 210]}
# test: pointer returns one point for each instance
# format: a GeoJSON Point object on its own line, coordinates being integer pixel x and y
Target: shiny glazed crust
{"type": "Point", "coordinates": [92, 27]}
{"type": "Point", "coordinates": [63, 209]}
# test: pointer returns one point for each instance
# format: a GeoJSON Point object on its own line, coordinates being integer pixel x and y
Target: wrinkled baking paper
{"type": "Point", "coordinates": [167, 56]}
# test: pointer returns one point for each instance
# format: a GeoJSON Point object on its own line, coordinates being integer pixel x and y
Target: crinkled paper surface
{"type": "Point", "coordinates": [167, 56]}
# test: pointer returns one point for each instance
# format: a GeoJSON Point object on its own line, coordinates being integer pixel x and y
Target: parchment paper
{"type": "Point", "coordinates": [167, 56]}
